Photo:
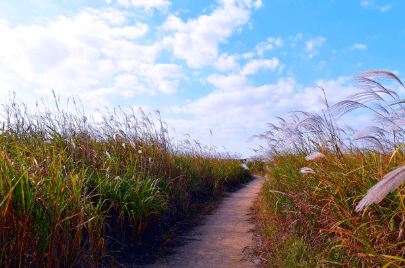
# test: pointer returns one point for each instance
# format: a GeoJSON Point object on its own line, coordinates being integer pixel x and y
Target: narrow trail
{"type": "Point", "coordinates": [220, 241]}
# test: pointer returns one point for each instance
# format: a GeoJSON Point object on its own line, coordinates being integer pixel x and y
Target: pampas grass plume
{"type": "Point", "coordinates": [244, 166]}
{"type": "Point", "coordinates": [315, 155]}
{"type": "Point", "coordinates": [390, 182]}
{"type": "Point", "coordinates": [307, 170]}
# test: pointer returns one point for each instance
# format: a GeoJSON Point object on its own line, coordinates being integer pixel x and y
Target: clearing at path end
{"type": "Point", "coordinates": [221, 240]}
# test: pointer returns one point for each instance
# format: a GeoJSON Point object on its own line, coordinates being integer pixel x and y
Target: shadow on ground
{"type": "Point", "coordinates": [163, 233]}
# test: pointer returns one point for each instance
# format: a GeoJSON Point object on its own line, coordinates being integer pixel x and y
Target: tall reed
{"type": "Point", "coordinates": [62, 175]}
{"type": "Point", "coordinates": [319, 172]}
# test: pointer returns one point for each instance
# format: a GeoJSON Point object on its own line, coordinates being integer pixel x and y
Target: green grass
{"type": "Point", "coordinates": [62, 177]}
{"type": "Point", "coordinates": [312, 217]}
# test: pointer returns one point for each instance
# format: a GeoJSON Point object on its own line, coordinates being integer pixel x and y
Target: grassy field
{"type": "Point", "coordinates": [77, 193]}
{"type": "Point", "coordinates": [72, 190]}
{"type": "Point", "coordinates": [318, 206]}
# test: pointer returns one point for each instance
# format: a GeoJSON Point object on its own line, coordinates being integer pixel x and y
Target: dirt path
{"type": "Point", "coordinates": [221, 240]}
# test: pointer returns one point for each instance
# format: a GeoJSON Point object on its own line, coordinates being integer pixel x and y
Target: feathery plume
{"type": "Point", "coordinates": [244, 166]}
{"type": "Point", "coordinates": [307, 170]}
{"type": "Point", "coordinates": [367, 131]}
{"type": "Point", "coordinates": [390, 182]}
{"type": "Point", "coordinates": [378, 75]}
{"type": "Point", "coordinates": [315, 155]}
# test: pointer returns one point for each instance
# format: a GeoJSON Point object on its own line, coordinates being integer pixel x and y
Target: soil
{"type": "Point", "coordinates": [222, 240]}
{"type": "Point", "coordinates": [218, 234]}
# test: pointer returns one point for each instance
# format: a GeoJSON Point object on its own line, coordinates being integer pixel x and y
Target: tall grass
{"type": "Point", "coordinates": [62, 176]}
{"type": "Point", "coordinates": [318, 173]}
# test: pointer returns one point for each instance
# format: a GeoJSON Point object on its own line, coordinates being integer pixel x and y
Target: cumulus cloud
{"type": "Point", "coordinates": [295, 38]}
{"type": "Point", "coordinates": [298, 36]}
{"type": "Point", "coordinates": [371, 4]}
{"type": "Point", "coordinates": [126, 80]}
{"type": "Point", "coordinates": [254, 65]}
{"type": "Point", "coordinates": [197, 40]}
{"type": "Point", "coordinates": [230, 82]}
{"type": "Point", "coordinates": [247, 55]}
{"type": "Point", "coordinates": [257, 4]}
{"type": "Point", "coordinates": [358, 46]}
{"type": "Point", "coordinates": [168, 86]}
{"type": "Point", "coordinates": [145, 4]}
{"type": "Point", "coordinates": [227, 62]}
{"type": "Point", "coordinates": [71, 55]}
{"type": "Point", "coordinates": [313, 44]}
{"type": "Point", "coordinates": [165, 77]}
{"type": "Point", "coordinates": [159, 71]}
{"type": "Point", "coordinates": [250, 107]}
{"type": "Point", "coordinates": [268, 45]}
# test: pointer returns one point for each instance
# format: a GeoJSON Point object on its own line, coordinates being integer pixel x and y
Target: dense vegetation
{"type": "Point", "coordinates": [332, 197]}
{"type": "Point", "coordinates": [66, 181]}
{"type": "Point", "coordinates": [316, 174]}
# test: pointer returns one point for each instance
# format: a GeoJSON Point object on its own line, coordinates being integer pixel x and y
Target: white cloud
{"type": "Point", "coordinates": [321, 64]}
{"type": "Point", "coordinates": [76, 54]}
{"type": "Point", "coordinates": [295, 38]}
{"type": "Point", "coordinates": [226, 62]}
{"type": "Point", "coordinates": [258, 4]}
{"type": "Point", "coordinates": [366, 3]}
{"type": "Point", "coordinates": [146, 4]}
{"type": "Point", "coordinates": [385, 8]}
{"type": "Point", "coordinates": [130, 32]}
{"type": "Point", "coordinates": [157, 75]}
{"type": "Point", "coordinates": [298, 37]}
{"type": "Point", "coordinates": [159, 71]}
{"type": "Point", "coordinates": [268, 45]}
{"type": "Point", "coordinates": [197, 40]}
{"type": "Point", "coordinates": [371, 4]}
{"type": "Point", "coordinates": [280, 68]}
{"type": "Point", "coordinates": [168, 86]}
{"type": "Point", "coordinates": [246, 107]}
{"type": "Point", "coordinates": [126, 80]}
{"type": "Point", "coordinates": [254, 65]}
{"type": "Point", "coordinates": [40, 3]}
{"type": "Point", "coordinates": [230, 82]}
{"type": "Point", "coordinates": [358, 46]}
{"type": "Point", "coordinates": [312, 44]}
{"type": "Point", "coordinates": [248, 55]}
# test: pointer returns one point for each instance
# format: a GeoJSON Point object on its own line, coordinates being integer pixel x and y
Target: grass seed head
{"type": "Point", "coordinates": [307, 170]}
{"type": "Point", "coordinates": [389, 183]}
{"type": "Point", "coordinates": [315, 155]}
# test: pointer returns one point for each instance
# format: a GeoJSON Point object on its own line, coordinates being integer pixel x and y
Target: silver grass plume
{"type": "Point", "coordinates": [307, 170]}
{"type": "Point", "coordinates": [390, 182]}
{"type": "Point", "coordinates": [315, 155]}
{"type": "Point", "coordinates": [391, 119]}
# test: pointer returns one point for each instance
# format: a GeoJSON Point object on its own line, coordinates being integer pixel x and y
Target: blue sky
{"type": "Point", "coordinates": [229, 65]}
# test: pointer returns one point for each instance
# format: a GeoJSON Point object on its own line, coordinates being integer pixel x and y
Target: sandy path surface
{"type": "Point", "coordinates": [221, 240]}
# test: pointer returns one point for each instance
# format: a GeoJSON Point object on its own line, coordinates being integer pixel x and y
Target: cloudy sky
{"type": "Point", "coordinates": [226, 65]}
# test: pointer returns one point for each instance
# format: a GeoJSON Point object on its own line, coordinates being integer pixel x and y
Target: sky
{"type": "Point", "coordinates": [230, 66]}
